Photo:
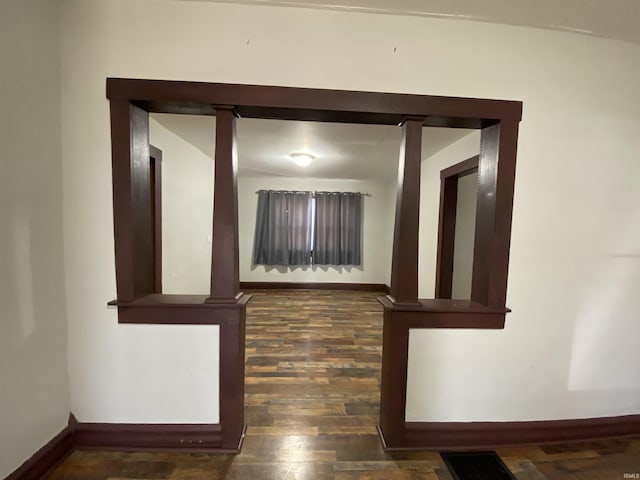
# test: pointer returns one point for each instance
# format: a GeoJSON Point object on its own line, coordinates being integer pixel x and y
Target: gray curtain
{"type": "Point", "coordinates": [338, 225]}
{"type": "Point", "coordinates": [283, 232]}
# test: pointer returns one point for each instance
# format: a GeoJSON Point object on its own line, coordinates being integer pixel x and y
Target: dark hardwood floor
{"type": "Point", "coordinates": [312, 388]}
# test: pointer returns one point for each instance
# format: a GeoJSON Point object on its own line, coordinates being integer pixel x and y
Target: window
{"type": "Point", "coordinates": [283, 228]}
{"type": "Point", "coordinates": [303, 228]}
{"type": "Point", "coordinates": [337, 229]}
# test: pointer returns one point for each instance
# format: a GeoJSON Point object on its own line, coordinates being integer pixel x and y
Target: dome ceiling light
{"type": "Point", "coordinates": [302, 159]}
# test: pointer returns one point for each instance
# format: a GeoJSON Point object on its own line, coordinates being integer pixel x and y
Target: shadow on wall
{"type": "Point", "coordinates": [604, 339]}
{"type": "Point", "coordinates": [18, 272]}
{"type": "Point", "coordinates": [33, 294]}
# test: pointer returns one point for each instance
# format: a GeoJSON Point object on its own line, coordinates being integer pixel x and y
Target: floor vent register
{"type": "Point", "coordinates": [476, 466]}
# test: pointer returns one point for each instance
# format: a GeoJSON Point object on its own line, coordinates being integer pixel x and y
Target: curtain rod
{"type": "Point", "coordinates": [364, 194]}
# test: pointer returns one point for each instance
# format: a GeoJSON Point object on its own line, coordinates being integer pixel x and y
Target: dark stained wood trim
{"type": "Point", "coordinates": [131, 200]}
{"type": "Point", "coordinates": [260, 101]}
{"type": "Point", "coordinates": [362, 287]}
{"type": "Point", "coordinates": [232, 358]}
{"type": "Point", "coordinates": [447, 223]}
{"type": "Point", "coordinates": [501, 244]}
{"type": "Point", "coordinates": [483, 435]}
{"type": "Point", "coordinates": [397, 321]}
{"type": "Point", "coordinates": [208, 438]}
{"type": "Point", "coordinates": [443, 313]}
{"type": "Point", "coordinates": [393, 379]}
{"type": "Point", "coordinates": [175, 314]}
{"type": "Point", "coordinates": [499, 123]}
{"type": "Point", "coordinates": [156, 204]}
{"type": "Point", "coordinates": [446, 236]}
{"type": "Point", "coordinates": [141, 201]}
{"type": "Point", "coordinates": [45, 460]}
{"type": "Point", "coordinates": [152, 437]}
{"type": "Point", "coordinates": [461, 169]}
{"type": "Point", "coordinates": [496, 176]}
{"type": "Point", "coordinates": [485, 214]}
{"type": "Point", "coordinates": [225, 270]}
{"type": "Point", "coordinates": [404, 262]}
{"type": "Point", "coordinates": [121, 184]}
{"type": "Point", "coordinates": [200, 310]}
{"type": "Point", "coordinates": [177, 301]}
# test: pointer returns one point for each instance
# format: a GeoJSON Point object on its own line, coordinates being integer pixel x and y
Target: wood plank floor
{"type": "Point", "coordinates": [312, 388]}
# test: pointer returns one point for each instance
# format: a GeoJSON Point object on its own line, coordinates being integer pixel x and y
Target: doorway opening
{"type": "Point", "coordinates": [131, 101]}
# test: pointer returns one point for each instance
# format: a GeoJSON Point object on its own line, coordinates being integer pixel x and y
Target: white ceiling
{"type": "Point", "coordinates": [619, 19]}
{"type": "Point", "coordinates": [341, 150]}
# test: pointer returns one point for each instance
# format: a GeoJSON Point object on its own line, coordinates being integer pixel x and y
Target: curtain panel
{"type": "Point", "coordinates": [337, 230]}
{"type": "Point", "coordinates": [283, 228]}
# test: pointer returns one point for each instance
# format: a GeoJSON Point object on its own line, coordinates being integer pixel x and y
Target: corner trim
{"type": "Point", "coordinates": [483, 435]}
{"type": "Point", "coordinates": [368, 287]}
{"type": "Point", "coordinates": [45, 460]}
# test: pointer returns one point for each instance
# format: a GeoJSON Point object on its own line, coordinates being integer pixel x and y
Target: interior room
{"type": "Point", "coordinates": [525, 350]}
{"type": "Point", "coordinates": [345, 158]}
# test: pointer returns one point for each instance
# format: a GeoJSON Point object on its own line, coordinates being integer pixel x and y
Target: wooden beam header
{"type": "Point", "coordinates": [288, 103]}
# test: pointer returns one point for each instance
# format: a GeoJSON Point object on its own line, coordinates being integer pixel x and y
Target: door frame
{"type": "Point", "coordinates": [155, 182]}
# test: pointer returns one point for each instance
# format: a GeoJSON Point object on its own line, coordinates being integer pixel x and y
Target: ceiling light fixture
{"type": "Point", "coordinates": [302, 159]}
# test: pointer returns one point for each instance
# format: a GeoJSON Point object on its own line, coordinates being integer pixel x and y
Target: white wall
{"type": "Point", "coordinates": [574, 258]}
{"type": "Point", "coordinates": [119, 373]}
{"type": "Point", "coordinates": [157, 373]}
{"type": "Point", "coordinates": [34, 397]}
{"type": "Point", "coordinates": [465, 236]}
{"type": "Point", "coordinates": [377, 231]}
{"type": "Point", "coordinates": [187, 212]}
{"type": "Point", "coordinates": [568, 347]}
{"type": "Point", "coordinates": [463, 149]}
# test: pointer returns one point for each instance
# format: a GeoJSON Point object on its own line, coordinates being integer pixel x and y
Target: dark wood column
{"type": "Point", "coordinates": [393, 380]}
{"type": "Point", "coordinates": [404, 269]}
{"type": "Point", "coordinates": [132, 209]}
{"type": "Point", "coordinates": [225, 280]}
{"type": "Point", "coordinates": [496, 176]}
{"type": "Point", "coordinates": [232, 353]}
{"type": "Point", "coordinates": [225, 284]}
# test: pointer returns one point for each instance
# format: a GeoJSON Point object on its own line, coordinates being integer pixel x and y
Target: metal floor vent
{"type": "Point", "coordinates": [476, 466]}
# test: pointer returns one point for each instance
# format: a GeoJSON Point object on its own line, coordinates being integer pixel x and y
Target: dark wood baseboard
{"type": "Point", "coordinates": [45, 460]}
{"type": "Point", "coordinates": [439, 436]}
{"type": "Point", "coordinates": [151, 437]}
{"type": "Point", "coordinates": [359, 287]}
{"type": "Point", "coordinates": [483, 435]}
